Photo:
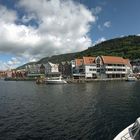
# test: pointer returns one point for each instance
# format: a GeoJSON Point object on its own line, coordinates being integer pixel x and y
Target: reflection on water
{"type": "Point", "coordinates": [96, 110]}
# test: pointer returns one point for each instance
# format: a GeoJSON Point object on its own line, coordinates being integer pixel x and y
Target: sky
{"type": "Point", "coordinates": [33, 29]}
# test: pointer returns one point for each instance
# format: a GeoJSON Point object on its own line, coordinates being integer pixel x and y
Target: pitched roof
{"type": "Point", "coordinates": [78, 62]}
{"type": "Point", "coordinates": [127, 62]}
{"type": "Point", "coordinates": [42, 66]}
{"type": "Point", "coordinates": [52, 64]}
{"type": "Point", "coordinates": [88, 60]}
{"type": "Point", "coordinates": [114, 60]}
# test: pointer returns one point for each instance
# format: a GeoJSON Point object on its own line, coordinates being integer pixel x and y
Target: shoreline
{"type": "Point", "coordinates": [94, 80]}
{"type": "Point", "coordinates": [69, 80]}
{"type": "Point", "coordinates": [20, 79]}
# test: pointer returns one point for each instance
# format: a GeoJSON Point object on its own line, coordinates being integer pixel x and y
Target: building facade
{"type": "Point", "coordinates": [136, 65]}
{"type": "Point", "coordinates": [65, 69]}
{"type": "Point", "coordinates": [50, 67]}
{"type": "Point", "coordinates": [112, 67]}
{"type": "Point", "coordinates": [102, 67]}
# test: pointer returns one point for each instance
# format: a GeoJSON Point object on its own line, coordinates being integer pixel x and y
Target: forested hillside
{"type": "Point", "coordinates": [127, 47]}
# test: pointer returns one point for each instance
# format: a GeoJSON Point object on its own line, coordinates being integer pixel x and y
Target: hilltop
{"type": "Point", "coordinates": [126, 47]}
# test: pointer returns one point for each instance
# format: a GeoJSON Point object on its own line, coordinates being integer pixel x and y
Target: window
{"type": "Point", "coordinates": [92, 69]}
{"type": "Point", "coordinates": [98, 65]}
{"type": "Point", "coordinates": [98, 62]}
{"type": "Point", "coordinates": [120, 65]}
{"type": "Point", "coordinates": [109, 64]}
{"type": "Point", "coordinates": [109, 69]}
{"type": "Point", "coordinates": [120, 70]}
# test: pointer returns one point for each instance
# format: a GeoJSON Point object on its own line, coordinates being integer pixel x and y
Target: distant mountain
{"type": "Point", "coordinates": [127, 47]}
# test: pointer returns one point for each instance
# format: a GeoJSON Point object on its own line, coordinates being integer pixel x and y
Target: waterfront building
{"type": "Point", "coordinates": [102, 67]}
{"type": "Point", "coordinates": [31, 69]}
{"type": "Point", "coordinates": [136, 65]}
{"type": "Point", "coordinates": [42, 69]}
{"type": "Point", "coordinates": [37, 67]}
{"type": "Point", "coordinates": [89, 67]}
{"type": "Point", "coordinates": [112, 67]}
{"type": "Point", "coordinates": [47, 68]}
{"type": "Point", "coordinates": [77, 68]}
{"type": "Point", "coordinates": [3, 74]}
{"type": "Point", "coordinates": [50, 67]}
{"type": "Point", "coordinates": [9, 74]}
{"type": "Point", "coordinates": [51, 70]}
{"type": "Point", "coordinates": [84, 67]}
{"type": "Point", "coordinates": [18, 73]}
{"type": "Point", "coordinates": [65, 69]}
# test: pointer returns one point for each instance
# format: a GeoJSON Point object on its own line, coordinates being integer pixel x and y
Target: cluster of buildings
{"type": "Point", "coordinates": [49, 69]}
{"type": "Point", "coordinates": [13, 74]}
{"type": "Point", "coordinates": [3, 74]}
{"type": "Point", "coordinates": [136, 65]}
{"type": "Point", "coordinates": [100, 67]}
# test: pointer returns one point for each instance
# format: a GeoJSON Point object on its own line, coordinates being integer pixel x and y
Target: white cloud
{"type": "Point", "coordinates": [97, 10]}
{"type": "Point", "coordinates": [102, 39]}
{"type": "Point", "coordinates": [10, 64]}
{"type": "Point", "coordinates": [62, 26]}
{"type": "Point", "coordinates": [13, 61]}
{"type": "Point", "coordinates": [7, 16]}
{"type": "Point", "coordinates": [122, 36]}
{"type": "Point", "coordinates": [3, 66]}
{"type": "Point", "coordinates": [107, 24]}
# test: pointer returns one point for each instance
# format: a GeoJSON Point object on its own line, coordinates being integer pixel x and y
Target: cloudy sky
{"type": "Point", "coordinates": [32, 29]}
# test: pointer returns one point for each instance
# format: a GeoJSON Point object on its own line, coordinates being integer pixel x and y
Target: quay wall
{"type": "Point", "coordinates": [93, 80]}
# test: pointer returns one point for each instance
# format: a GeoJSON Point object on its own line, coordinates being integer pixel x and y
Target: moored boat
{"type": "Point", "coordinates": [55, 80]}
{"type": "Point", "coordinates": [131, 78]}
{"type": "Point", "coordinates": [132, 132]}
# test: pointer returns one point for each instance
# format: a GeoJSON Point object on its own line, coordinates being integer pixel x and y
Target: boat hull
{"type": "Point", "coordinates": [56, 82]}
{"type": "Point", "coordinates": [131, 78]}
{"type": "Point", "coordinates": [124, 135]}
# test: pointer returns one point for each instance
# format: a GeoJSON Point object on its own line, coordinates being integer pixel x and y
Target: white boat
{"type": "Point", "coordinates": [132, 132]}
{"type": "Point", "coordinates": [55, 80]}
{"type": "Point", "coordinates": [131, 78]}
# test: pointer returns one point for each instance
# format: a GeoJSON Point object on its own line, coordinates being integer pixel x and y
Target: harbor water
{"type": "Point", "coordinates": [89, 111]}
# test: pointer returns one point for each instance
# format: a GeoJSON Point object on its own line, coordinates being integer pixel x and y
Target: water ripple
{"type": "Point", "coordinates": [93, 111]}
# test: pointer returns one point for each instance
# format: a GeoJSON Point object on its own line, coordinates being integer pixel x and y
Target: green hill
{"type": "Point", "coordinates": [127, 47]}
{"type": "Point", "coordinates": [58, 58]}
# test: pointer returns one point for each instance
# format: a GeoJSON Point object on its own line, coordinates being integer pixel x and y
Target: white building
{"type": "Point", "coordinates": [102, 67]}
{"type": "Point", "coordinates": [46, 69]}
{"type": "Point", "coordinates": [112, 67]}
{"type": "Point", "coordinates": [89, 67]}
{"type": "Point", "coordinates": [85, 67]}
{"type": "Point", "coordinates": [31, 68]}
{"type": "Point", "coordinates": [51, 68]}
